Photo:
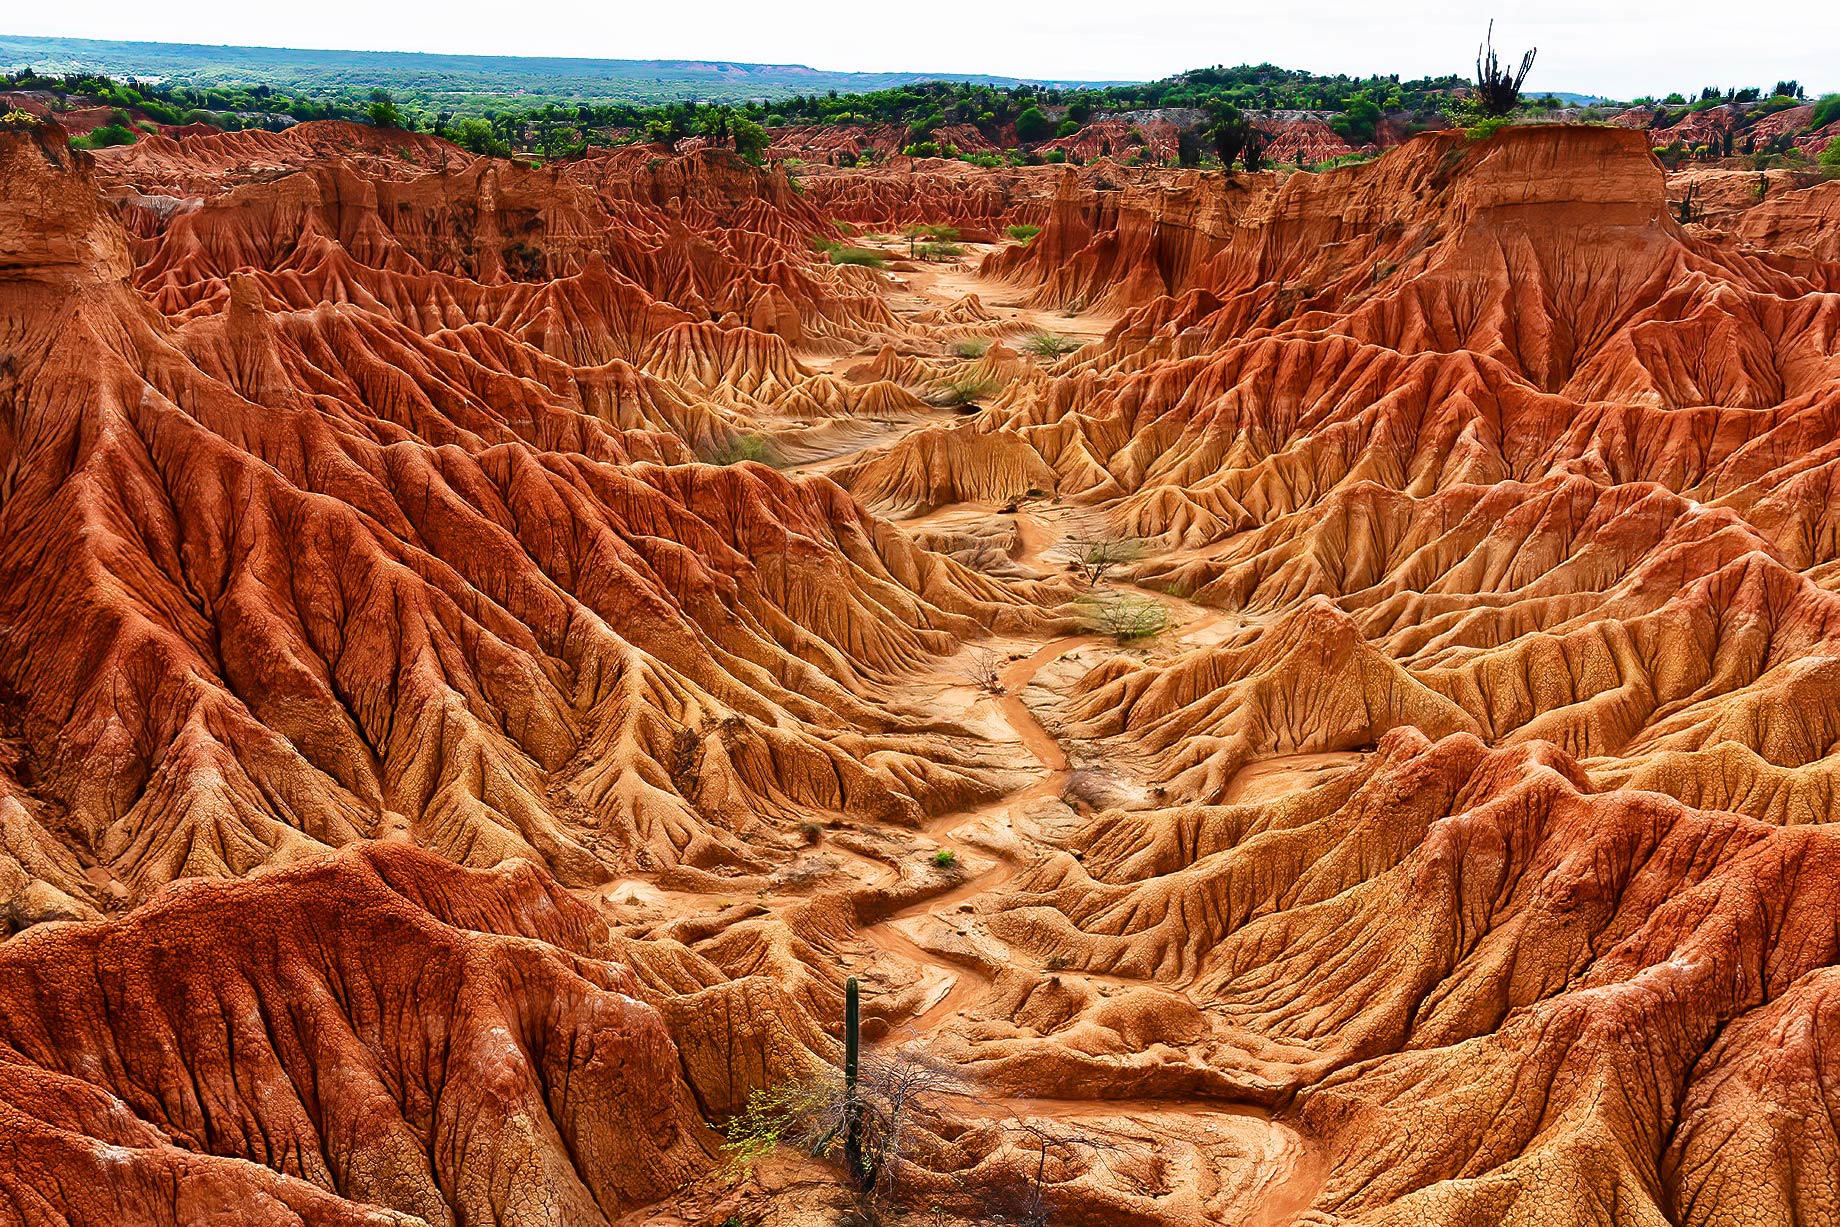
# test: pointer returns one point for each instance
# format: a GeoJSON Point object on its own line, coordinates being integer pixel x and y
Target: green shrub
{"type": "Point", "coordinates": [1483, 129]}
{"type": "Point", "coordinates": [1125, 618]}
{"type": "Point", "coordinates": [1024, 232]}
{"type": "Point", "coordinates": [967, 391]}
{"type": "Point", "coordinates": [1049, 345]}
{"type": "Point", "coordinates": [862, 256]}
{"type": "Point", "coordinates": [1825, 111]}
{"type": "Point", "coordinates": [936, 252]}
{"type": "Point", "coordinates": [945, 858]}
{"type": "Point", "coordinates": [382, 111]}
{"type": "Point", "coordinates": [971, 347]}
{"type": "Point", "coordinates": [478, 136]}
{"type": "Point", "coordinates": [106, 136]}
{"type": "Point", "coordinates": [740, 449]}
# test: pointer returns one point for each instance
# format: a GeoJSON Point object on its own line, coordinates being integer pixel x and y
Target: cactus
{"type": "Point", "coordinates": [853, 1156]}
{"type": "Point", "coordinates": [852, 1035]}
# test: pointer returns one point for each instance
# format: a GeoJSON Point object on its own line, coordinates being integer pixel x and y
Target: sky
{"type": "Point", "coordinates": [1622, 50]}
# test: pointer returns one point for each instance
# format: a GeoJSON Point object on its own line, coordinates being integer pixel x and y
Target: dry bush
{"type": "Point", "coordinates": [987, 670]}
{"type": "Point", "coordinates": [895, 1094]}
{"type": "Point", "coordinates": [1125, 618]}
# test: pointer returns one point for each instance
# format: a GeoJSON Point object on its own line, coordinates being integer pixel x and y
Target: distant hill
{"type": "Point", "coordinates": [460, 77]}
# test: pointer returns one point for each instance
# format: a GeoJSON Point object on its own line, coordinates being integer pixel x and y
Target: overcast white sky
{"type": "Point", "coordinates": [1625, 49]}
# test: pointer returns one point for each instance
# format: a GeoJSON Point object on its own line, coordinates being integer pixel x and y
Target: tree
{"type": "Point", "coordinates": [1498, 91]}
{"type": "Point", "coordinates": [1093, 559]}
{"type": "Point", "coordinates": [382, 112]}
{"type": "Point", "coordinates": [987, 670]}
{"type": "Point", "coordinates": [1229, 131]}
{"type": "Point", "coordinates": [1033, 126]}
{"type": "Point", "coordinates": [1359, 121]}
{"type": "Point", "coordinates": [477, 135]}
{"type": "Point", "coordinates": [1253, 156]}
{"type": "Point", "coordinates": [750, 139]}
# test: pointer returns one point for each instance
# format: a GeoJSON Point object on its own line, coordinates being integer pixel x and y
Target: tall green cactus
{"type": "Point", "coordinates": [853, 1156]}
{"type": "Point", "coordinates": [852, 1035]}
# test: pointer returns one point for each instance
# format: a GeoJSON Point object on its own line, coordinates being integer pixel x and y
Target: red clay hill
{"type": "Point", "coordinates": [1322, 689]}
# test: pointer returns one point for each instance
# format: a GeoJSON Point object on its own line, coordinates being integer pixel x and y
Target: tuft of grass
{"type": "Point", "coordinates": [1023, 232]}
{"type": "Point", "coordinates": [1346, 159]}
{"type": "Point", "coordinates": [1049, 345]}
{"type": "Point", "coordinates": [945, 858]}
{"type": "Point", "coordinates": [971, 347]}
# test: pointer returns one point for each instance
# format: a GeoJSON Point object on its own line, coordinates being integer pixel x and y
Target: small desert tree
{"type": "Point", "coordinates": [751, 140]}
{"type": "Point", "coordinates": [1094, 559]}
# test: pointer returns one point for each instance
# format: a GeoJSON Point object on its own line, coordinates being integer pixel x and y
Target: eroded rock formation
{"type": "Point", "coordinates": [463, 793]}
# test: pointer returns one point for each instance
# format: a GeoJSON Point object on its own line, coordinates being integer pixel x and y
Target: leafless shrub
{"type": "Point", "coordinates": [895, 1093]}
{"type": "Point", "coordinates": [987, 670]}
{"type": "Point", "coordinates": [1048, 1141]}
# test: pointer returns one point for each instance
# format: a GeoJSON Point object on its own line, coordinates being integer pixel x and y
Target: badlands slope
{"type": "Point", "coordinates": [443, 773]}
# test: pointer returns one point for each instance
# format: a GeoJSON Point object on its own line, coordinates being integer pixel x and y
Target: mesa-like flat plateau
{"type": "Point", "coordinates": [1296, 698]}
